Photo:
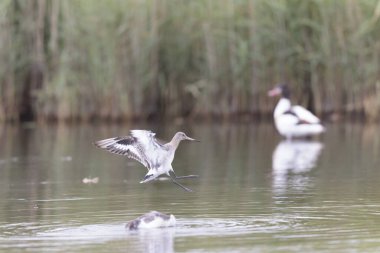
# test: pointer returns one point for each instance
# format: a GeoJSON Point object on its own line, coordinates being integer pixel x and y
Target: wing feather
{"type": "Point", "coordinates": [304, 115]}
{"type": "Point", "coordinates": [141, 146]}
{"type": "Point", "coordinates": [127, 146]}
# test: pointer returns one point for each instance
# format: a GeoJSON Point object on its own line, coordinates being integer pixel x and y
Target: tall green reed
{"type": "Point", "coordinates": [82, 60]}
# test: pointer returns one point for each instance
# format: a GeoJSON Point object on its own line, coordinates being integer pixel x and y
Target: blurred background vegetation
{"type": "Point", "coordinates": [120, 60]}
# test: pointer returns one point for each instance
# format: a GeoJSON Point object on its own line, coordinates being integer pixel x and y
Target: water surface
{"type": "Point", "coordinates": [256, 192]}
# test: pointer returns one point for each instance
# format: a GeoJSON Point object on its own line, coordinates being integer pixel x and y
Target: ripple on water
{"type": "Point", "coordinates": [99, 233]}
{"type": "Point", "coordinates": [285, 228]}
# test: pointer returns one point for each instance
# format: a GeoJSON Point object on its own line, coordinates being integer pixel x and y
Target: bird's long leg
{"type": "Point", "coordinates": [189, 176]}
{"type": "Point", "coordinates": [180, 185]}
{"type": "Point", "coordinates": [182, 177]}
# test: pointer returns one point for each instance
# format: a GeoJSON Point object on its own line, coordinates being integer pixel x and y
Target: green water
{"type": "Point", "coordinates": [256, 193]}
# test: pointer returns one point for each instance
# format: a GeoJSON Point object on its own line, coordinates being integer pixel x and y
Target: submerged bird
{"type": "Point", "coordinates": [142, 146]}
{"type": "Point", "coordinates": [153, 219]}
{"type": "Point", "coordinates": [293, 120]}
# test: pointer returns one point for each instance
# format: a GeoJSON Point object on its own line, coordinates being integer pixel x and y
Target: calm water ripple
{"type": "Point", "coordinates": [256, 193]}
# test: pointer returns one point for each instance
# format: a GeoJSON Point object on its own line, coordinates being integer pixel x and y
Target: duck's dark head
{"type": "Point", "coordinates": [280, 90]}
{"type": "Point", "coordinates": [133, 225]}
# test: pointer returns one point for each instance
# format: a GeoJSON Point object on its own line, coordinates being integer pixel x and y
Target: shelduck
{"type": "Point", "coordinates": [293, 120]}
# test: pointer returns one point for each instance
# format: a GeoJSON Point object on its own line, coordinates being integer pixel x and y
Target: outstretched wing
{"type": "Point", "coordinates": [127, 146]}
{"type": "Point", "coordinates": [140, 145]}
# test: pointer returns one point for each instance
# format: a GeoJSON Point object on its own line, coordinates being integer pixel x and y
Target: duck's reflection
{"type": "Point", "coordinates": [291, 161]}
{"type": "Point", "coordinates": [160, 240]}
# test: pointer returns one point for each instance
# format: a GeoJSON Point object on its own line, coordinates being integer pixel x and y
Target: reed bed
{"type": "Point", "coordinates": [122, 60]}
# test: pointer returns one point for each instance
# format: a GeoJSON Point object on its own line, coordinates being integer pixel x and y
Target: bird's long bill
{"type": "Point", "coordinates": [191, 139]}
{"type": "Point", "coordinates": [274, 92]}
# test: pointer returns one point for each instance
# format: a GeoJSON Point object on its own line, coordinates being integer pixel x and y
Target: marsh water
{"type": "Point", "coordinates": [256, 192]}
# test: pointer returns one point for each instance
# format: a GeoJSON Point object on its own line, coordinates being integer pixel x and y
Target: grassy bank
{"type": "Point", "coordinates": [83, 59]}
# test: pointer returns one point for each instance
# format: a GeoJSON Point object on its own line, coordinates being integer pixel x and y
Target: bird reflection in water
{"type": "Point", "coordinates": [156, 240]}
{"type": "Point", "coordinates": [291, 162]}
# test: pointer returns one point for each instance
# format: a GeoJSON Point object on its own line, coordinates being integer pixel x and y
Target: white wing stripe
{"type": "Point", "coordinates": [141, 146]}
{"type": "Point", "coordinates": [121, 146]}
